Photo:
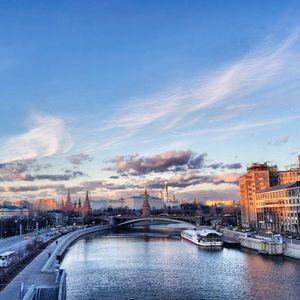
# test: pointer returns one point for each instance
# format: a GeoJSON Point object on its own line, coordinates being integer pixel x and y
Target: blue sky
{"type": "Point", "coordinates": [112, 96]}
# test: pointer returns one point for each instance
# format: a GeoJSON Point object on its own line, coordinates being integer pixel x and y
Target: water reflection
{"type": "Point", "coordinates": [154, 263]}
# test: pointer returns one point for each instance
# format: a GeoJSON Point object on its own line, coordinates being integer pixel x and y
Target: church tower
{"type": "Point", "coordinates": [146, 206]}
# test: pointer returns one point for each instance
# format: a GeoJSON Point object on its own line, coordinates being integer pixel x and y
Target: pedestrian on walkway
{"type": "Point", "coordinates": [49, 254]}
{"type": "Point", "coordinates": [56, 242]}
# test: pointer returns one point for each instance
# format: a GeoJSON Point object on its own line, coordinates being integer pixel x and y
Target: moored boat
{"type": "Point", "coordinates": [204, 237]}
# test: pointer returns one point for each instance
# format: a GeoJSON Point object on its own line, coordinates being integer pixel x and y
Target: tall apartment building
{"type": "Point", "coordinates": [258, 178]}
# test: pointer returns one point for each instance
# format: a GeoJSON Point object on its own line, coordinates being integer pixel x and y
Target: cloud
{"type": "Point", "coordinates": [46, 136]}
{"type": "Point", "coordinates": [193, 178]}
{"type": "Point", "coordinates": [225, 166]}
{"type": "Point", "coordinates": [281, 141]}
{"type": "Point", "coordinates": [21, 171]}
{"type": "Point", "coordinates": [34, 188]}
{"type": "Point", "coordinates": [173, 107]}
{"type": "Point", "coordinates": [79, 159]}
{"type": "Point", "coordinates": [163, 162]}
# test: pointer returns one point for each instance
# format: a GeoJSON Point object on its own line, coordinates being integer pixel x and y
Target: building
{"type": "Point", "coordinates": [46, 204]}
{"type": "Point", "coordinates": [146, 206]}
{"type": "Point", "coordinates": [290, 175]}
{"type": "Point", "coordinates": [225, 202]}
{"type": "Point", "coordinates": [9, 211]}
{"type": "Point", "coordinates": [24, 204]}
{"type": "Point", "coordinates": [278, 208]}
{"type": "Point", "coordinates": [258, 178]}
{"type": "Point", "coordinates": [135, 202]}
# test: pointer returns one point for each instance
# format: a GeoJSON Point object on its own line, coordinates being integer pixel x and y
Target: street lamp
{"type": "Point", "coordinates": [16, 222]}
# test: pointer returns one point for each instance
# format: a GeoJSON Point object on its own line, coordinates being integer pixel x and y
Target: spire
{"type": "Point", "coordinates": [79, 203]}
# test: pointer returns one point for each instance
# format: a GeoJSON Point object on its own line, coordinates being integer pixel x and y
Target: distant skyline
{"type": "Point", "coordinates": [113, 96]}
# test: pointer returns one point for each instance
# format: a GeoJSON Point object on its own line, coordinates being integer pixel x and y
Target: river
{"type": "Point", "coordinates": [154, 263]}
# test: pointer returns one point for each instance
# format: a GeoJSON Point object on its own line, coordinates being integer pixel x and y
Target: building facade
{"type": "Point", "coordinates": [258, 178]}
{"type": "Point", "coordinates": [290, 175]}
{"type": "Point", "coordinates": [9, 211]}
{"type": "Point", "coordinates": [225, 202]}
{"type": "Point", "coordinates": [46, 204]}
{"type": "Point", "coordinates": [278, 208]}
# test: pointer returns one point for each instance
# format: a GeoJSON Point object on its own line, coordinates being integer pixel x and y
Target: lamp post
{"type": "Point", "coordinates": [16, 222]}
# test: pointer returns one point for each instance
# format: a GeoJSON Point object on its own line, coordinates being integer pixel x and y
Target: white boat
{"type": "Point", "coordinates": [204, 237]}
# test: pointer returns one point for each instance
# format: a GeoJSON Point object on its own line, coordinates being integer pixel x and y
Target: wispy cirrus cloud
{"type": "Point", "coordinates": [270, 61]}
{"type": "Point", "coordinates": [47, 135]}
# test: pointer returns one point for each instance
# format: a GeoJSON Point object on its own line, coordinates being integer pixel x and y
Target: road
{"type": "Point", "coordinates": [18, 243]}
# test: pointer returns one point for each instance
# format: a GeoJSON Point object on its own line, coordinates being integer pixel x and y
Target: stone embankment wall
{"type": "Point", "coordinates": [65, 242]}
{"type": "Point", "coordinates": [262, 246]}
{"type": "Point", "coordinates": [292, 250]}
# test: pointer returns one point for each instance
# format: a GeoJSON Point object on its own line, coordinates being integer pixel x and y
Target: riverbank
{"type": "Point", "coordinates": [41, 277]}
{"type": "Point", "coordinates": [288, 249]}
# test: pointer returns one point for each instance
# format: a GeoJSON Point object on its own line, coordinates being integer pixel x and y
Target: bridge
{"type": "Point", "coordinates": [122, 221]}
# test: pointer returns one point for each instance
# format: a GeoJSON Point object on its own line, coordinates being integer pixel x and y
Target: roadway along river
{"type": "Point", "coordinates": [154, 263]}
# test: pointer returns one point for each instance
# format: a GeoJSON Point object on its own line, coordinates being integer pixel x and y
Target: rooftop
{"type": "Point", "coordinates": [282, 187]}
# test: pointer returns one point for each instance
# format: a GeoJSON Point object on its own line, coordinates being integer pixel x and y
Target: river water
{"type": "Point", "coordinates": [154, 263]}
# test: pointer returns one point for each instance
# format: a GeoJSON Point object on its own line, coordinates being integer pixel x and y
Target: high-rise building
{"type": "Point", "coordinates": [258, 178]}
{"type": "Point", "coordinates": [146, 206]}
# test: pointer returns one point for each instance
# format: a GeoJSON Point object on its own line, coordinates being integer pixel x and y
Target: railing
{"type": "Point", "coordinates": [65, 243]}
{"type": "Point", "coordinates": [30, 294]}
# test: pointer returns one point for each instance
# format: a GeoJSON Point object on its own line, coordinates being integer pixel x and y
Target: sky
{"type": "Point", "coordinates": [115, 96]}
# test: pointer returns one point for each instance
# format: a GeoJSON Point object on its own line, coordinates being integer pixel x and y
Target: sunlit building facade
{"type": "Point", "coordinates": [46, 204]}
{"type": "Point", "coordinates": [225, 202]}
{"type": "Point", "coordinates": [278, 208]}
{"type": "Point", "coordinates": [258, 178]}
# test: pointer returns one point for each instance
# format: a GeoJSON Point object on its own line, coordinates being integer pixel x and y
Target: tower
{"type": "Point", "coordinates": [166, 194]}
{"type": "Point", "coordinates": [67, 204]}
{"type": "Point", "coordinates": [79, 205]}
{"type": "Point", "coordinates": [146, 206]}
{"type": "Point", "coordinates": [173, 198]}
{"type": "Point", "coordinates": [86, 208]}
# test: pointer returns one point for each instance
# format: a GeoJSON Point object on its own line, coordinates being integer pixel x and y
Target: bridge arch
{"type": "Point", "coordinates": [155, 219]}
